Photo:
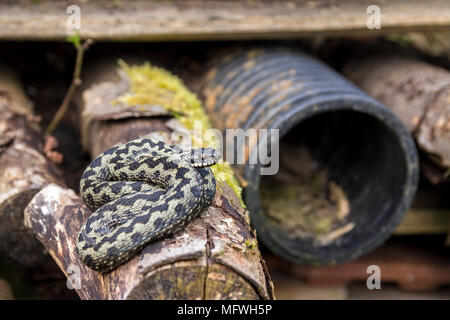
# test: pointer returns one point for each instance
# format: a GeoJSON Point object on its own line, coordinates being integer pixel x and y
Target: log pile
{"type": "Point", "coordinates": [215, 257]}
{"type": "Point", "coordinates": [24, 170]}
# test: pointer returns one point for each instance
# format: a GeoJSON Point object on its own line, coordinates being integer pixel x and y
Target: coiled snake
{"type": "Point", "coordinates": [141, 191]}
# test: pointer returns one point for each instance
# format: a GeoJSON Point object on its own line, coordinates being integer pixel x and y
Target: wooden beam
{"type": "Point", "coordinates": [412, 267]}
{"type": "Point", "coordinates": [127, 20]}
{"type": "Point", "coordinates": [425, 221]}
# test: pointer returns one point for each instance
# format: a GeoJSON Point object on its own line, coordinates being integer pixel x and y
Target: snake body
{"type": "Point", "coordinates": [140, 192]}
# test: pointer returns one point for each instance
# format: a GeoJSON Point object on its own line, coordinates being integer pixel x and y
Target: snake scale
{"type": "Point", "coordinates": [140, 192]}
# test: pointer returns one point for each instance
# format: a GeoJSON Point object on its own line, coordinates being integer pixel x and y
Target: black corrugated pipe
{"type": "Point", "coordinates": [362, 145]}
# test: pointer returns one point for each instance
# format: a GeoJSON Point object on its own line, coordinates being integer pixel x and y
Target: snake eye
{"type": "Point", "coordinates": [204, 157]}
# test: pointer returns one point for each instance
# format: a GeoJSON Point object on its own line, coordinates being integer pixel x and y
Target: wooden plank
{"type": "Point", "coordinates": [291, 288]}
{"type": "Point", "coordinates": [128, 20]}
{"type": "Point", "coordinates": [359, 291]}
{"type": "Point", "coordinates": [425, 221]}
{"type": "Point", "coordinates": [430, 212]}
{"type": "Point", "coordinates": [412, 267]}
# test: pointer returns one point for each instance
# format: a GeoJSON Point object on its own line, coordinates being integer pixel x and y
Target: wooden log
{"type": "Point", "coordinates": [215, 257]}
{"type": "Point", "coordinates": [128, 20]}
{"type": "Point", "coordinates": [5, 290]}
{"type": "Point", "coordinates": [418, 93]}
{"type": "Point", "coordinates": [24, 170]}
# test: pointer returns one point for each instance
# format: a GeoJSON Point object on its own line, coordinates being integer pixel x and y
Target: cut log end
{"type": "Point", "coordinates": [182, 266]}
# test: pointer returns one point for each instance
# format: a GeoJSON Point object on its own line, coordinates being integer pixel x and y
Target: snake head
{"type": "Point", "coordinates": [202, 157]}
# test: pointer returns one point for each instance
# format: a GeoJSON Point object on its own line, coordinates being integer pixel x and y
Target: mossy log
{"type": "Point", "coordinates": [419, 94]}
{"type": "Point", "coordinates": [215, 257]}
{"type": "Point", "coordinates": [24, 170]}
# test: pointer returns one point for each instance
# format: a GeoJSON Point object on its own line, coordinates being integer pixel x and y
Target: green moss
{"type": "Point", "coordinates": [155, 86]}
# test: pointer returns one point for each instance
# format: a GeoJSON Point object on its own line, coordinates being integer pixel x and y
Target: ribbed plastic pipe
{"type": "Point", "coordinates": [374, 157]}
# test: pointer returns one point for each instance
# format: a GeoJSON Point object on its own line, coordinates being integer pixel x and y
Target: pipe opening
{"type": "Point", "coordinates": [342, 178]}
{"type": "Point", "coordinates": [348, 167]}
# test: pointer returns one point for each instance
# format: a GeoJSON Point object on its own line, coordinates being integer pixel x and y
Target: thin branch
{"type": "Point", "coordinates": [76, 82]}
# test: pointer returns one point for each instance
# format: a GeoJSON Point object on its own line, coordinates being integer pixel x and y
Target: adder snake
{"type": "Point", "coordinates": [141, 191]}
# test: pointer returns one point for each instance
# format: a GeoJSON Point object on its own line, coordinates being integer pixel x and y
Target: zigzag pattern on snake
{"type": "Point", "coordinates": [140, 192]}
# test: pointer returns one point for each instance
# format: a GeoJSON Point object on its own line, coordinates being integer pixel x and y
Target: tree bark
{"type": "Point", "coordinates": [418, 93]}
{"type": "Point", "coordinates": [215, 257]}
{"type": "Point", "coordinates": [24, 170]}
